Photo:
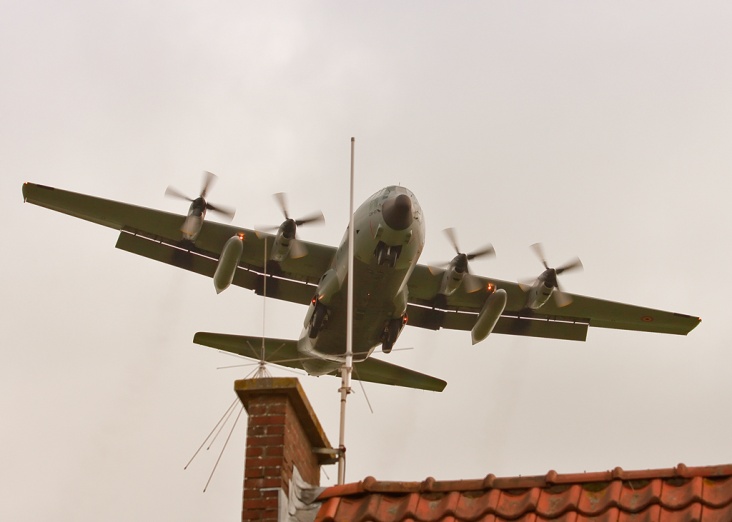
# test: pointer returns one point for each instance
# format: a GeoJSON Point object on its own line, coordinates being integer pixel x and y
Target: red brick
{"type": "Point", "coordinates": [274, 430]}
{"type": "Point", "coordinates": [254, 451]}
{"type": "Point", "coordinates": [268, 462]}
{"type": "Point", "coordinates": [260, 503]}
{"type": "Point", "coordinates": [266, 420]}
{"type": "Point", "coordinates": [266, 440]}
{"type": "Point", "coordinates": [253, 472]}
{"type": "Point", "coordinates": [274, 451]}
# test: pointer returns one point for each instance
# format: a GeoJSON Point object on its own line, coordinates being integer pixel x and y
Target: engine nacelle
{"type": "Point", "coordinates": [538, 295]}
{"type": "Point", "coordinates": [489, 315]}
{"type": "Point", "coordinates": [229, 260]}
{"type": "Point", "coordinates": [328, 286]}
{"type": "Point", "coordinates": [391, 332]}
{"type": "Point", "coordinates": [451, 281]}
{"type": "Point", "coordinates": [281, 248]}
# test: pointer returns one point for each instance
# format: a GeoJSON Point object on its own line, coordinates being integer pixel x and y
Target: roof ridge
{"type": "Point", "coordinates": [551, 478]}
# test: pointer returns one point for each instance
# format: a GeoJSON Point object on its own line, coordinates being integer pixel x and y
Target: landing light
{"type": "Point", "coordinates": [490, 287]}
{"type": "Point", "coordinates": [241, 235]}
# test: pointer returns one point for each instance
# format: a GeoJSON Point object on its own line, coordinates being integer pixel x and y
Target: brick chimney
{"type": "Point", "coordinates": [285, 444]}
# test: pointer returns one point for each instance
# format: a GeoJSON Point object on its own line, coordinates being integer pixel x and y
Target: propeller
{"type": "Point", "coordinates": [315, 217]}
{"type": "Point", "coordinates": [462, 260]}
{"type": "Point", "coordinates": [208, 179]}
{"type": "Point", "coordinates": [550, 274]}
{"type": "Point", "coordinates": [289, 226]}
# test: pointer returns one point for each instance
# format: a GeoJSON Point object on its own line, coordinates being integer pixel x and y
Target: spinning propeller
{"type": "Point", "coordinates": [460, 262]}
{"type": "Point", "coordinates": [200, 202]}
{"type": "Point", "coordinates": [549, 276]}
{"type": "Point", "coordinates": [287, 231]}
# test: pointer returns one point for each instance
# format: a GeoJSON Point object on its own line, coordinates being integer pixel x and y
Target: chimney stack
{"type": "Point", "coordinates": [283, 435]}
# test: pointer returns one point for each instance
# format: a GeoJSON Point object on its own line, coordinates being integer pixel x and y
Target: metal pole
{"type": "Point", "coordinates": [348, 366]}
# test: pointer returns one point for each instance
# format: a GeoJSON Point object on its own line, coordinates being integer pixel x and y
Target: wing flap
{"type": "Point", "coordinates": [277, 288]}
{"type": "Point", "coordinates": [166, 227]}
{"type": "Point", "coordinates": [544, 327]}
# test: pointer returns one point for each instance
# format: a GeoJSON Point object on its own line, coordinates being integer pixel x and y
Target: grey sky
{"type": "Point", "coordinates": [602, 129]}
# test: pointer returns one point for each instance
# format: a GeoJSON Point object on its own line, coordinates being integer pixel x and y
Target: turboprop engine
{"type": "Point", "coordinates": [229, 260]}
{"type": "Point", "coordinates": [458, 272]}
{"type": "Point", "coordinates": [286, 243]}
{"type": "Point", "coordinates": [547, 285]}
{"type": "Point", "coordinates": [197, 211]}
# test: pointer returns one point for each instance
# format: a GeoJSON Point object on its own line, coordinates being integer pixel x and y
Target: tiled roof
{"type": "Point", "coordinates": [676, 494]}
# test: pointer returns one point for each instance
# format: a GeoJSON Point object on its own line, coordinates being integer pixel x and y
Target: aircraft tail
{"type": "Point", "coordinates": [284, 352]}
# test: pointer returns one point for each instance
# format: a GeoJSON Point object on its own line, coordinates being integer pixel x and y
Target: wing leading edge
{"type": "Point", "coordinates": [460, 311]}
{"type": "Point", "coordinates": [157, 235]}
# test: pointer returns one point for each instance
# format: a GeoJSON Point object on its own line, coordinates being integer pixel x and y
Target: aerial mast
{"type": "Point", "coordinates": [348, 366]}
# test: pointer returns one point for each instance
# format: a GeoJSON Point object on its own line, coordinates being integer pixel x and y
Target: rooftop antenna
{"type": "Point", "coordinates": [345, 388]}
{"type": "Point", "coordinates": [262, 371]}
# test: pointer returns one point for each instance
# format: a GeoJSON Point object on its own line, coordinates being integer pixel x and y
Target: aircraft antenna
{"type": "Point", "coordinates": [348, 366]}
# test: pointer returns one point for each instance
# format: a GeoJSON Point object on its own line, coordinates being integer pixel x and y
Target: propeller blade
{"type": "Point", "coordinates": [526, 284]}
{"type": "Point", "coordinates": [260, 231]}
{"type": "Point", "coordinates": [572, 264]}
{"type": "Point", "coordinates": [208, 179]}
{"type": "Point", "coordinates": [175, 193]}
{"type": "Point", "coordinates": [539, 251]}
{"type": "Point", "coordinates": [224, 211]}
{"type": "Point", "coordinates": [297, 249]}
{"type": "Point", "coordinates": [437, 268]}
{"type": "Point", "coordinates": [316, 217]}
{"type": "Point", "coordinates": [560, 298]}
{"type": "Point", "coordinates": [487, 250]}
{"type": "Point", "coordinates": [471, 283]}
{"type": "Point", "coordinates": [452, 237]}
{"type": "Point", "coordinates": [282, 203]}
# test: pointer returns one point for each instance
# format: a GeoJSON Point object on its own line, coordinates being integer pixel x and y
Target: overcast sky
{"type": "Point", "coordinates": [602, 129]}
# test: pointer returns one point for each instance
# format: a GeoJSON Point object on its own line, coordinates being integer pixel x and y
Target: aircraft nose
{"type": "Point", "coordinates": [397, 212]}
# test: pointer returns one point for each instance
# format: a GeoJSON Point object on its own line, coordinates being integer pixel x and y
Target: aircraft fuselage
{"type": "Point", "coordinates": [388, 240]}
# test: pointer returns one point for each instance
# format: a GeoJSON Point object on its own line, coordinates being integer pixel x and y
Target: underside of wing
{"type": "Point", "coordinates": [157, 235]}
{"type": "Point", "coordinates": [461, 310]}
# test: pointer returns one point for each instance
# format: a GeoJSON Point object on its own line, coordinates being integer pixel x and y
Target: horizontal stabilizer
{"type": "Point", "coordinates": [382, 372]}
{"type": "Point", "coordinates": [284, 352]}
{"type": "Point", "coordinates": [276, 351]}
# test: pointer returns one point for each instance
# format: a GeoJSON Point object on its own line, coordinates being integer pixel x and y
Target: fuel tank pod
{"type": "Point", "coordinates": [489, 315]}
{"type": "Point", "coordinates": [228, 262]}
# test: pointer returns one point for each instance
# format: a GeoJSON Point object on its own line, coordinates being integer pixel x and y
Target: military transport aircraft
{"type": "Point", "coordinates": [391, 289]}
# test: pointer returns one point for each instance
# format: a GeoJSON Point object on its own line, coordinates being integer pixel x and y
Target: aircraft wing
{"type": "Point", "coordinates": [460, 311]}
{"type": "Point", "coordinates": [156, 234]}
{"type": "Point", "coordinates": [284, 352]}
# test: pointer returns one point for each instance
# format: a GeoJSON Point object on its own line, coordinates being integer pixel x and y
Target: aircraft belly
{"type": "Point", "coordinates": [375, 289]}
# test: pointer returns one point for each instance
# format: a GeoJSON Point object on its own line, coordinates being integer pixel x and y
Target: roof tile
{"type": "Point", "coordinates": [717, 492]}
{"type": "Point", "coordinates": [598, 497]}
{"type": "Point", "coordinates": [668, 495]}
{"type": "Point", "coordinates": [636, 495]}
{"type": "Point", "coordinates": [557, 500]}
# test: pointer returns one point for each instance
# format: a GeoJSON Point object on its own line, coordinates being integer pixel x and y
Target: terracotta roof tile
{"type": "Point", "coordinates": [675, 494]}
